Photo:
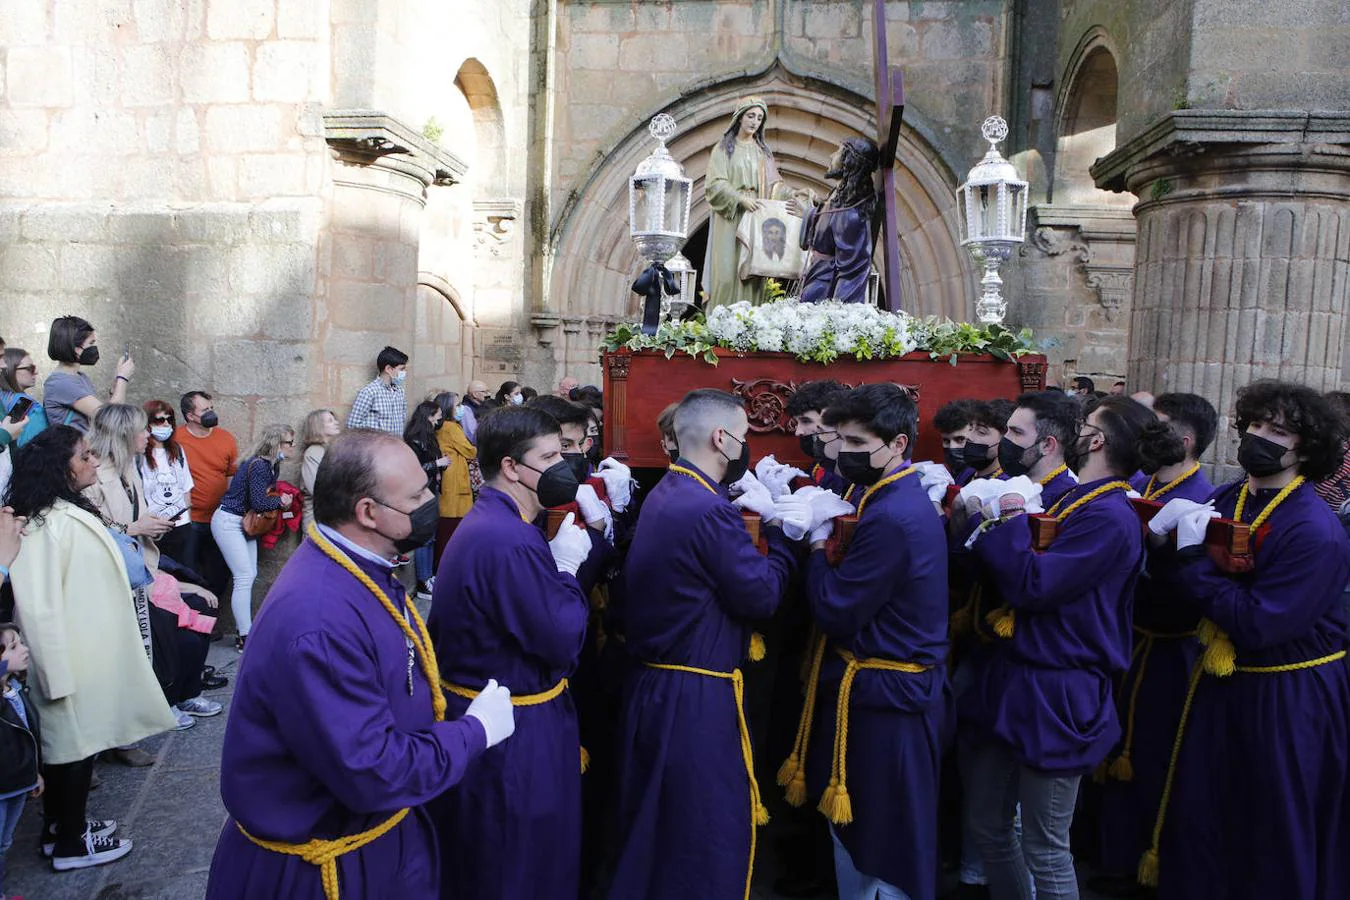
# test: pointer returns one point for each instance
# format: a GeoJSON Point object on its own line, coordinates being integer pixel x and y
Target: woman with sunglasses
{"type": "Point", "coordinates": [18, 375]}
{"type": "Point", "coordinates": [168, 482]}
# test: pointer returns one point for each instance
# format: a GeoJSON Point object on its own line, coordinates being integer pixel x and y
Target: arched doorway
{"type": "Point", "coordinates": [594, 261]}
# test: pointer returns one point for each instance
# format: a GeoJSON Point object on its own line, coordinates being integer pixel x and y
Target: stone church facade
{"type": "Point", "coordinates": [257, 195]}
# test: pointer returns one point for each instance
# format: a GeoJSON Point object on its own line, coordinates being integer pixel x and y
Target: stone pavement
{"type": "Point", "coordinates": [173, 813]}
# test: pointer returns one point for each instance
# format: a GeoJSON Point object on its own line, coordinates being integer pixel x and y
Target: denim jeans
{"type": "Point", "coordinates": [241, 555]}
{"type": "Point", "coordinates": [10, 811]}
{"type": "Point", "coordinates": [424, 561]}
{"type": "Point", "coordinates": [996, 785]}
{"type": "Point", "coordinates": [854, 885]}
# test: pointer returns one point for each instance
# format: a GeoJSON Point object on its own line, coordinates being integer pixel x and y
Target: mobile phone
{"type": "Point", "coordinates": [20, 410]}
{"type": "Point", "coordinates": [176, 513]}
{"type": "Point", "coordinates": [126, 351]}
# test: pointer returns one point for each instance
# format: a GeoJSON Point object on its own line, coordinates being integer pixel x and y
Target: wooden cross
{"type": "Point", "coordinates": [890, 87]}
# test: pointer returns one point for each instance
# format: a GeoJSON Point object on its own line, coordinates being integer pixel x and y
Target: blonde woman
{"type": "Point", "coordinates": [320, 427]}
{"type": "Point", "coordinates": [250, 491]}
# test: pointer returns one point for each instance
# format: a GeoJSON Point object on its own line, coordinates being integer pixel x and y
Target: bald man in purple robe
{"type": "Point", "coordinates": [335, 730]}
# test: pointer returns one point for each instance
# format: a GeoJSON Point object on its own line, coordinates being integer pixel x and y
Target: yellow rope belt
{"type": "Point", "coordinates": [758, 814]}
{"type": "Point", "coordinates": [1122, 768]}
{"type": "Point", "coordinates": [835, 802]}
{"type": "Point", "coordinates": [538, 699]}
{"type": "Point", "coordinates": [1148, 866]}
{"type": "Point", "coordinates": [325, 853]}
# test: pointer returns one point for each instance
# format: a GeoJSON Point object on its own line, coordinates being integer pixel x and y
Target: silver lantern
{"type": "Point", "coordinates": [992, 206]}
{"type": "Point", "coordinates": [658, 198]}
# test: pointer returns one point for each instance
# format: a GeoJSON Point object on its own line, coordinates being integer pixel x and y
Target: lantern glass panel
{"type": "Point", "coordinates": [674, 206]}
{"type": "Point", "coordinates": [986, 212]}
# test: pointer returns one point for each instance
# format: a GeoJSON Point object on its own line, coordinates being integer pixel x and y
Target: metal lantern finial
{"type": "Point", "coordinates": [659, 196]}
{"type": "Point", "coordinates": [992, 206]}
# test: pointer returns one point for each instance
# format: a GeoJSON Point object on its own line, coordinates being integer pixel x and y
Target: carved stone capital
{"type": "Point", "coordinates": [368, 137]}
{"type": "Point", "coordinates": [494, 223]}
{"type": "Point", "coordinates": [1114, 286]}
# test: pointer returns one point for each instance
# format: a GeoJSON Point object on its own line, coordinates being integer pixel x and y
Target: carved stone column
{"type": "Point", "coordinates": [1243, 260]}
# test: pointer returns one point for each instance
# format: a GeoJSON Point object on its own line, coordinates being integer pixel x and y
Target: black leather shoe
{"type": "Point", "coordinates": [211, 681]}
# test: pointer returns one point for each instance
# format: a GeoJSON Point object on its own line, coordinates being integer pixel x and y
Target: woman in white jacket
{"type": "Point", "coordinates": [93, 685]}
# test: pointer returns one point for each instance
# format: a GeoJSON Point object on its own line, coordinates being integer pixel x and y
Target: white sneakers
{"type": "Point", "coordinates": [200, 707]}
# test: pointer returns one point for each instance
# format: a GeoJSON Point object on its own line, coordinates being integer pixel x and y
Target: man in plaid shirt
{"type": "Point", "coordinates": [382, 405]}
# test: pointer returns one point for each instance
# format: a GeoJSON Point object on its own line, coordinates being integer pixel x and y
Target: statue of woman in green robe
{"type": "Point", "coordinates": [740, 174]}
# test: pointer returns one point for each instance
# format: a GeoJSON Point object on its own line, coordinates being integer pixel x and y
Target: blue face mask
{"type": "Point", "coordinates": [459, 414]}
{"type": "Point", "coordinates": [517, 399]}
{"type": "Point", "coordinates": [400, 377]}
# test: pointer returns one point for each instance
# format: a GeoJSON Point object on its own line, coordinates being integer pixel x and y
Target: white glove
{"type": "Point", "coordinates": [618, 480]}
{"type": "Point", "coordinates": [570, 546]}
{"type": "Point", "coordinates": [1133, 494]}
{"type": "Point", "coordinates": [795, 512]}
{"type": "Point", "coordinates": [934, 477]}
{"type": "Point", "coordinates": [492, 707]}
{"type": "Point", "coordinates": [822, 531]}
{"type": "Point", "coordinates": [825, 505]}
{"type": "Point", "coordinates": [776, 476]}
{"type": "Point", "coordinates": [1191, 527]}
{"type": "Point", "coordinates": [1167, 518]}
{"type": "Point", "coordinates": [754, 496]}
{"type": "Point", "coordinates": [594, 510]}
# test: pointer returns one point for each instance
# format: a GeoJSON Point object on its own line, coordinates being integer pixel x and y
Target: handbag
{"type": "Point", "coordinates": [258, 523]}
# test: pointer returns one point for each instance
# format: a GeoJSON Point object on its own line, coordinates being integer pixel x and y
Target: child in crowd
{"type": "Point", "coordinates": [20, 745]}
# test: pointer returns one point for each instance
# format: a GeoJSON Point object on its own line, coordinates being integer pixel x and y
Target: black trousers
{"type": "Point", "coordinates": [63, 804]}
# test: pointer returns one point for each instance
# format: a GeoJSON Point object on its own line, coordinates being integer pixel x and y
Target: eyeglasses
{"type": "Point", "coordinates": [32, 369]}
{"type": "Point", "coordinates": [288, 443]}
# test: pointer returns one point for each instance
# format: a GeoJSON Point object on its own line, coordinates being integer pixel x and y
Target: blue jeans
{"type": "Point", "coordinates": [1038, 863]}
{"type": "Point", "coordinates": [854, 885]}
{"type": "Point", "coordinates": [424, 561]}
{"type": "Point", "coordinates": [10, 812]}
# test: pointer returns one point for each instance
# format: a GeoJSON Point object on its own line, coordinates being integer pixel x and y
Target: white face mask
{"type": "Point", "coordinates": [517, 399]}
{"type": "Point", "coordinates": [161, 433]}
{"type": "Point", "coordinates": [400, 377]}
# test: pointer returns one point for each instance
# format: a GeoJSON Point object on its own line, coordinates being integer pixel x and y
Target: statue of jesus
{"type": "Point", "coordinates": [838, 234]}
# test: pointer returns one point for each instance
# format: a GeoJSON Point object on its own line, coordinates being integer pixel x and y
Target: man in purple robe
{"type": "Point", "coordinates": [1259, 805]}
{"type": "Point", "coordinates": [883, 618]}
{"type": "Point", "coordinates": [336, 729]}
{"type": "Point", "coordinates": [507, 604]}
{"type": "Point", "coordinates": [1150, 697]}
{"type": "Point", "coordinates": [688, 801]}
{"type": "Point", "coordinates": [838, 234]}
{"type": "Point", "coordinates": [1040, 713]}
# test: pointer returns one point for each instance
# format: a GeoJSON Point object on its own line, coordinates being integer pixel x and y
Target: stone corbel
{"type": "Point", "coordinates": [370, 137]}
{"type": "Point", "coordinates": [1114, 286]}
{"type": "Point", "coordinates": [545, 325]}
{"type": "Point", "coordinates": [494, 223]}
{"type": "Point", "coordinates": [1100, 239]}
{"type": "Point", "coordinates": [572, 324]}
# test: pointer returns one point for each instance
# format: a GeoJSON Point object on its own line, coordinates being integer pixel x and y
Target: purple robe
{"type": "Point", "coordinates": [886, 600]}
{"type": "Point", "coordinates": [1046, 691]}
{"type": "Point", "coordinates": [1260, 805]}
{"type": "Point", "coordinates": [695, 585]}
{"type": "Point", "coordinates": [1158, 682]}
{"type": "Point", "coordinates": [841, 254]}
{"type": "Point", "coordinates": [325, 740]}
{"type": "Point", "coordinates": [501, 609]}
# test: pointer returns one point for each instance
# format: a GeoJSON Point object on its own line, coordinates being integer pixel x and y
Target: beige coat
{"type": "Point", "coordinates": [93, 685]}
{"type": "Point", "coordinates": [110, 498]}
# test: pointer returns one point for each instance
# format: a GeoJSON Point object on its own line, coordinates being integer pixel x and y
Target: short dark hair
{"type": "Point", "coordinates": [390, 356]}
{"type": "Point", "coordinates": [348, 472]}
{"type": "Point", "coordinates": [883, 409]}
{"type": "Point", "coordinates": [528, 393]}
{"type": "Point", "coordinates": [188, 401]}
{"type": "Point", "coordinates": [1134, 436]}
{"type": "Point", "coordinates": [814, 396]}
{"type": "Point", "coordinates": [1057, 415]}
{"type": "Point", "coordinates": [953, 415]}
{"type": "Point", "coordinates": [67, 333]}
{"type": "Point", "coordinates": [565, 411]}
{"type": "Point", "coordinates": [1320, 427]}
{"type": "Point", "coordinates": [511, 431]}
{"type": "Point", "coordinates": [991, 414]}
{"type": "Point", "coordinates": [666, 421]}
{"type": "Point", "coordinates": [589, 395]}
{"type": "Point", "coordinates": [1193, 412]}
{"type": "Point", "coordinates": [1084, 383]}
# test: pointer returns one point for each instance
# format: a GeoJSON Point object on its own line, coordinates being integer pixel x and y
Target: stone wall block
{"type": "Point", "coordinates": [29, 267]}
{"type": "Point", "coordinates": [63, 223]}
{"type": "Point", "coordinates": [87, 267]}
{"type": "Point", "coordinates": [86, 23]}
{"type": "Point", "coordinates": [243, 129]}
{"type": "Point", "coordinates": [365, 306]}
{"type": "Point", "coordinates": [157, 20]}
{"type": "Point", "coordinates": [283, 71]}
{"type": "Point", "coordinates": [271, 175]}
{"type": "Point", "coordinates": [215, 72]}
{"type": "Point", "coordinates": [226, 315]}
{"type": "Point", "coordinates": [113, 131]}
{"type": "Point", "coordinates": [240, 19]}
{"type": "Point", "coordinates": [39, 76]}
{"type": "Point", "coordinates": [216, 224]}
{"type": "Point", "coordinates": [352, 260]}
{"type": "Point", "coordinates": [147, 75]}
{"type": "Point", "coordinates": [274, 368]}
{"type": "Point", "coordinates": [299, 19]}
{"type": "Point", "coordinates": [289, 318]}
{"type": "Point", "coordinates": [24, 24]}
{"type": "Point", "coordinates": [23, 132]}
{"type": "Point", "coordinates": [273, 269]}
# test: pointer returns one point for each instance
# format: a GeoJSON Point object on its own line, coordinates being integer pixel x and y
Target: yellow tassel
{"type": "Point", "coordinates": [1099, 773]}
{"type": "Point", "coordinates": [963, 623]}
{"type": "Point", "coordinates": [761, 814]}
{"type": "Point", "coordinates": [1220, 657]}
{"type": "Point", "coordinates": [1121, 768]}
{"type": "Point", "coordinates": [1148, 869]}
{"type": "Point", "coordinates": [788, 769]}
{"type": "Point", "coordinates": [796, 789]}
{"type": "Point", "coordinates": [1002, 619]}
{"type": "Point", "coordinates": [839, 806]}
{"type": "Point", "coordinates": [756, 646]}
{"type": "Point", "coordinates": [827, 796]}
{"type": "Point", "coordinates": [1206, 631]}
{"type": "Point", "coordinates": [585, 760]}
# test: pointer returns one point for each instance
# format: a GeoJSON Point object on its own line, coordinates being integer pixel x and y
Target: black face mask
{"type": "Point", "coordinates": [423, 521]}
{"type": "Point", "coordinates": [1010, 457]}
{"type": "Point", "coordinates": [810, 445]}
{"type": "Point", "coordinates": [593, 454]}
{"type": "Point", "coordinates": [1260, 456]}
{"type": "Point", "coordinates": [579, 464]}
{"type": "Point", "coordinates": [437, 426]}
{"type": "Point", "coordinates": [209, 419]}
{"type": "Point", "coordinates": [977, 456]}
{"type": "Point", "coordinates": [1076, 454]}
{"type": "Point", "coordinates": [856, 466]}
{"type": "Point", "coordinates": [954, 459]}
{"type": "Point", "coordinates": [557, 485]}
{"type": "Point", "coordinates": [88, 356]}
{"type": "Point", "coordinates": [674, 455]}
{"type": "Point", "coordinates": [736, 468]}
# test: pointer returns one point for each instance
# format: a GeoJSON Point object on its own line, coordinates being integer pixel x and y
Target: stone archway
{"type": "Point", "coordinates": [594, 261]}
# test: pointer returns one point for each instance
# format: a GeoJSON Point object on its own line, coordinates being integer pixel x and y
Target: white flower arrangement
{"type": "Point", "coordinates": [820, 332]}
